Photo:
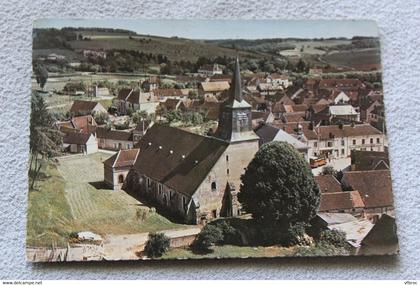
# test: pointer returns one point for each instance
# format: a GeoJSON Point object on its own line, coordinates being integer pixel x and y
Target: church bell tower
{"type": "Point", "coordinates": [235, 121]}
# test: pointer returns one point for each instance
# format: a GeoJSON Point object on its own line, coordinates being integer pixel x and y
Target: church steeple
{"type": "Point", "coordinates": [236, 90]}
{"type": "Point", "coordinates": [235, 121]}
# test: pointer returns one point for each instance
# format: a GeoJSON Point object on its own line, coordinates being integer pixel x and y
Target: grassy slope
{"type": "Point", "coordinates": [49, 218]}
{"type": "Point", "coordinates": [173, 48]}
{"type": "Point", "coordinates": [70, 203]}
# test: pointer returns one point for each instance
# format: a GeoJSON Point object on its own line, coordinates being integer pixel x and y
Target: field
{"type": "Point", "coordinates": [72, 197]}
{"type": "Point", "coordinates": [354, 58]}
{"type": "Point", "coordinates": [174, 48]}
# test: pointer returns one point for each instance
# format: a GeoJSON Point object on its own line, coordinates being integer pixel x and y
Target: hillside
{"type": "Point", "coordinates": [175, 49]}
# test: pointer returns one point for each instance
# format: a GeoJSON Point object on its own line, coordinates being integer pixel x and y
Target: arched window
{"type": "Point", "coordinates": [213, 186]}
{"type": "Point", "coordinates": [121, 179]}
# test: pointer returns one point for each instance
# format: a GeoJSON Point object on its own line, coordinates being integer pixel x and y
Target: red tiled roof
{"type": "Point", "coordinates": [375, 186]}
{"type": "Point", "coordinates": [340, 201]}
{"type": "Point", "coordinates": [123, 158]}
{"type": "Point", "coordinates": [328, 184]}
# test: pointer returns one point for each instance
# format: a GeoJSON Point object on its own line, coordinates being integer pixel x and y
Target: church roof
{"type": "Point", "coordinates": [179, 159]}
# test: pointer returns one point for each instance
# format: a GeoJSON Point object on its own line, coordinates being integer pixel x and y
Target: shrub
{"type": "Point", "coordinates": [230, 234]}
{"type": "Point", "coordinates": [333, 237]}
{"type": "Point", "coordinates": [209, 236]}
{"type": "Point", "coordinates": [157, 245]}
{"type": "Point", "coordinates": [296, 235]}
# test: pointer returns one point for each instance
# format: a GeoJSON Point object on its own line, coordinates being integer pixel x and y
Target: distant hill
{"type": "Point", "coordinates": [174, 48]}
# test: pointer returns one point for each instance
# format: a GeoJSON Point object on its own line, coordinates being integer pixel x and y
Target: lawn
{"type": "Point", "coordinates": [72, 197]}
{"type": "Point", "coordinates": [230, 251]}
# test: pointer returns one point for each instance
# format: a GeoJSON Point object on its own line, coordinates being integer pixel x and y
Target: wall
{"type": "Point", "coordinates": [398, 25]}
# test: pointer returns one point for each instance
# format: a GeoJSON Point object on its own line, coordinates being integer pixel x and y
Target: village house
{"type": "Point", "coordinates": [209, 70]}
{"type": "Point", "coordinates": [116, 167]}
{"type": "Point", "coordinates": [268, 133]}
{"type": "Point", "coordinates": [135, 100]}
{"type": "Point", "coordinates": [150, 84]}
{"type": "Point", "coordinates": [381, 239]}
{"type": "Point", "coordinates": [94, 53]}
{"type": "Point", "coordinates": [82, 107]}
{"type": "Point", "coordinates": [342, 202]}
{"type": "Point", "coordinates": [337, 141]}
{"type": "Point", "coordinates": [163, 94]}
{"type": "Point", "coordinates": [341, 84]}
{"type": "Point", "coordinates": [76, 142]}
{"type": "Point", "coordinates": [80, 124]}
{"type": "Point", "coordinates": [328, 183]}
{"type": "Point", "coordinates": [375, 189]}
{"type": "Point", "coordinates": [193, 176]}
{"type": "Point", "coordinates": [213, 88]}
{"type": "Point", "coordinates": [114, 139]}
{"type": "Point", "coordinates": [369, 160]}
{"type": "Point", "coordinates": [278, 79]}
{"type": "Point", "coordinates": [343, 113]}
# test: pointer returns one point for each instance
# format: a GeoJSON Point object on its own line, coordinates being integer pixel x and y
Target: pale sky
{"type": "Point", "coordinates": [227, 29]}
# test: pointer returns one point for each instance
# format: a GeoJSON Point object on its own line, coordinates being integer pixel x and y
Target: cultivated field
{"type": "Point", "coordinates": [72, 197]}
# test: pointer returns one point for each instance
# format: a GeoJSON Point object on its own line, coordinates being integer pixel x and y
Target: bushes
{"type": "Point", "coordinates": [157, 245]}
{"type": "Point", "coordinates": [333, 237]}
{"type": "Point", "coordinates": [209, 236]}
{"type": "Point", "coordinates": [217, 233]}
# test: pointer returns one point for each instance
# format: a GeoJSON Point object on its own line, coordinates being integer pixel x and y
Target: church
{"type": "Point", "coordinates": [193, 176]}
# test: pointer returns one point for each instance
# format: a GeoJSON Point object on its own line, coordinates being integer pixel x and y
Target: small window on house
{"type": "Point", "coordinates": [329, 144]}
{"type": "Point", "coordinates": [363, 141]}
{"type": "Point", "coordinates": [115, 145]}
{"type": "Point", "coordinates": [128, 146]}
{"type": "Point", "coordinates": [315, 144]}
{"type": "Point", "coordinates": [121, 179]}
{"type": "Point", "coordinates": [213, 186]}
{"type": "Point", "coordinates": [342, 151]}
{"type": "Point", "coordinates": [160, 187]}
{"type": "Point", "coordinates": [371, 140]}
{"type": "Point", "coordinates": [354, 142]}
{"type": "Point", "coordinates": [342, 142]}
{"type": "Point", "coordinates": [378, 140]}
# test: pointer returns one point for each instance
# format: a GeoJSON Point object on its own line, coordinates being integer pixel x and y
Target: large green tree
{"type": "Point", "coordinates": [278, 187]}
{"type": "Point", "coordinates": [44, 140]}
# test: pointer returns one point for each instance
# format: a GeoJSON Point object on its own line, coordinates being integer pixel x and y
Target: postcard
{"type": "Point", "coordinates": [196, 139]}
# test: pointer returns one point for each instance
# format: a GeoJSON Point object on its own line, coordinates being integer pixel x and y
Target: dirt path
{"type": "Point", "coordinates": [125, 247]}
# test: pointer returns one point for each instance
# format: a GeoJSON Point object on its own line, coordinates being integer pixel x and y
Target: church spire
{"type": "Point", "coordinates": [235, 89]}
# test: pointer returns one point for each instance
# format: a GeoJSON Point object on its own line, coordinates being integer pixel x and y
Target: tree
{"type": "Point", "coordinates": [101, 117]}
{"type": "Point", "coordinates": [278, 187]}
{"type": "Point", "coordinates": [328, 170]}
{"type": "Point", "coordinates": [44, 141]}
{"type": "Point", "coordinates": [41, 75]}
{"type": "Point", "coordinates": [139, 116]}
{"type": "Point", "coordinates": [157, 245]}
{"type": "Point", "coordinates": [209, 236]}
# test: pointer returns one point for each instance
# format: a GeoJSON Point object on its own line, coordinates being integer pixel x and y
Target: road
{"type": "Point", "coordinates": [338, 164]}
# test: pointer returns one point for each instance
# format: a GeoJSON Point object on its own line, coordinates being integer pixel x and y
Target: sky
{"type": "Point", "coordinates": [227, 29]}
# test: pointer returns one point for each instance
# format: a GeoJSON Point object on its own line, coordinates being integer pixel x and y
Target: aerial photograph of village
{"type": "Point", "coordinates": [197, 139]}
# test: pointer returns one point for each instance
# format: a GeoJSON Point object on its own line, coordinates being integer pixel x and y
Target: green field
{"type": "Point", "coordinates": [174, 48]}
{"type": "Point", "coordinates": [67, 202]}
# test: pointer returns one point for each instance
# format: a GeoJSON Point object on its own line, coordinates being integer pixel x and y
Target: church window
{"type": "Point", "coordinates": [213, 186]}
{"type": "Point", "coordinates": [227, 157]}
{"type": "Point", "coordinates": [227, 171]}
